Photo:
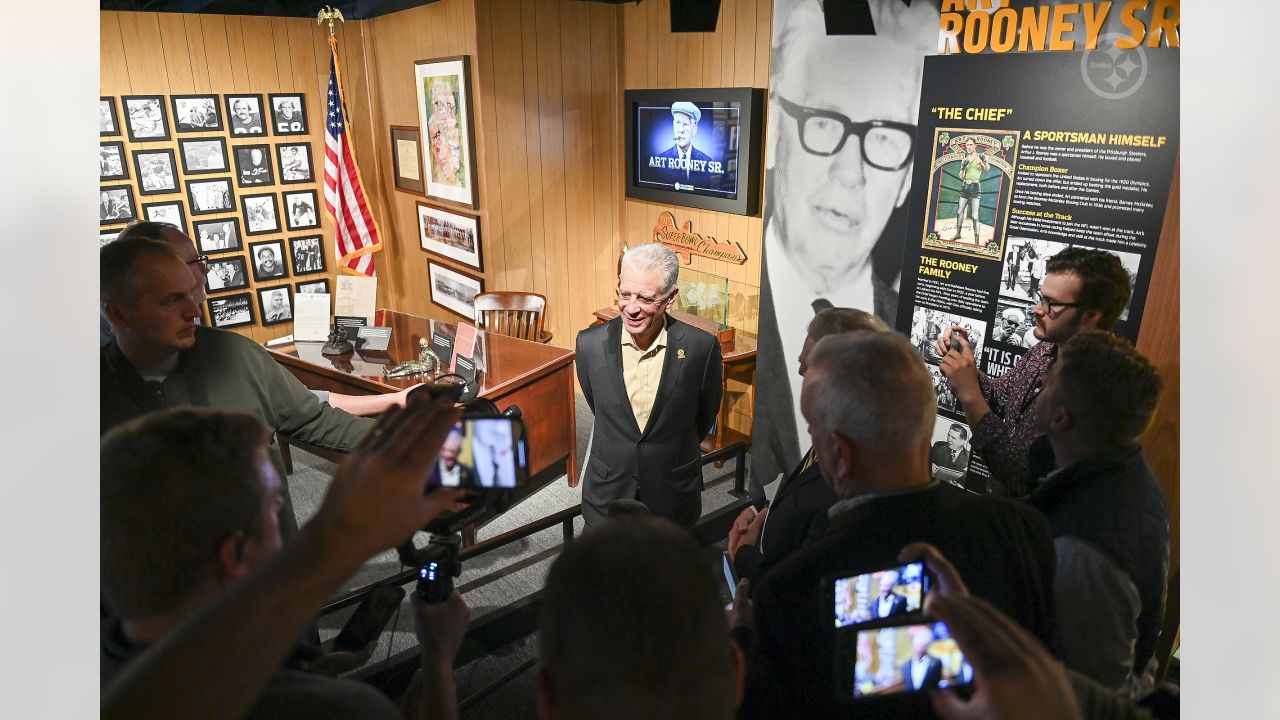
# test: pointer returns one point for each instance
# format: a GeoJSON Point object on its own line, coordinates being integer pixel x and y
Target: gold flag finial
{"type": "Point", "coordinates": [328, 14]}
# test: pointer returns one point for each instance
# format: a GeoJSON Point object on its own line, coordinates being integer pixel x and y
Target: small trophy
{"type": "Point", "coordinates": [337, 344]}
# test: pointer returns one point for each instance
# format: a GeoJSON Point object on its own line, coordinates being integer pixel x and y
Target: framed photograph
{"type": "Point", "coordinates": [169, 211]}
{"type": "Point", "coordinates": [288, 114]}
{"type": "Point", "coordinates": [301, 209]}
{"type": "Point", "coordinates": [275, 304]}
{"type": "Point", "coordinates": [454, 290]}
{"type": "Point", "coordinates": [145, 117]}
{"type": "Point", "coordinates": [210, 196]}
{"type": "Point", "coordinates": [307, 254]}
{"type": "Point", "coordinates": [444, 114]}
{"type": "Point", "coordinates": [314, 287]}
{"type": "Point", "coordinates": [111, 164]}
{"type": "Point", "coordinates": [253, 165]}
{"type": "Point", "coordinates": [203, 156]}
{"type": "Point", "coordinates": [195, 113]}
{"type": "Point", "coordinates": [244, 115]}
{"type": "Point", "coordinates": [218, 236]}
{"type": "Point", "coordinates": [231, 310]}
{"type": "Point", "coordinates": [450, 234]}
{"type": "Point", "coordinates": [157, 171]}
{"type": "Point", "coordinates": [268, 260]}
{"type": "Point", "coordinates": [108, 121]}
{"type": "Point", "coordinates": [107, 236]}
{"type": "Point", "coordinates": [261, 214]}
{"type": "Point", "coordinates": [226, 273]}
{"type": "Point", "coordinates": [115, 205]}
{"type": "Point", "coordinates": [295, 163]}
{"type": "Point", "coordinates": [406, 153]}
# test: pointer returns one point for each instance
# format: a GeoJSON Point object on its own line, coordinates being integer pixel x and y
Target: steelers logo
{"type": "Point", "coordinates": [1112, 73]}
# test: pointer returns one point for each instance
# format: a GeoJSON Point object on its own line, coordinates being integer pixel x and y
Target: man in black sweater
{"type": "Point", "coordinates": [870, 408]}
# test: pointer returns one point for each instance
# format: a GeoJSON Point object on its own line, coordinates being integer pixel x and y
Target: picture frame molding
{"type": "Point", "coordinates": [255, 248]}
{"type": "Point", "coordinates": [228, 100]}
{"type": "Point", "coordinates": [164, 118]}
{"type": "Point", "coordinates": [293, 256]}
{"type": "Point", "coordinates": [182, 152]}
{"type": "Point", "coordinates": [248, 298]}
{"type": "Point", "coordinates": [244, 209]}
{"type": "Point", "coordinates": [445, 250]}
{"type": "Point", "coordinates": [235, 220]}
{"type": "Point", "coordinates": [262, 292]}
{"type": "Point", "coordinates": [133, 205]}
{"type": "Point", "coordinates": [110, 100]}
{"type": "Point", "coordinates": [244, 274]}
{"type": "Point", "coordinates": [173, 103]}
{"type": "Point", "coordinates": [173, 167]}
{"type": "Point", "coordinates": [191, 200]}
{"type": "Point", "coordinates": [182, 211]}
{"type": "Point", "coordinates": [124, 161]}
{"type": "Point", "coordinates": [288, 216]}
{"type": "Point", "coordinates": [311, 166]}
{"type": "Point", "coordinates": [266, 153]}
{"type": "Point", "coordinates": [463, 198]}
{"type": "Point", "coordinates": [402, 183]}
{"type": "Point", "coordinates": [431, 287]}
{"type": "Point", "coordinates": [302, 107]}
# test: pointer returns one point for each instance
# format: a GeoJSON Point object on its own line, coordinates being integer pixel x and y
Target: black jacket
{"type": "Point", "coordinates": [798, 512]}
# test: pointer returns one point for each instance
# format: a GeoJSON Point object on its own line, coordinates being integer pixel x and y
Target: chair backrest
{"type": "Point", "coordinates": [517, 314]}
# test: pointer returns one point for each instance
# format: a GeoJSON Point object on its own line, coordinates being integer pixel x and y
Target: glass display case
{"type": "Point", "coordinates": [715, 298]}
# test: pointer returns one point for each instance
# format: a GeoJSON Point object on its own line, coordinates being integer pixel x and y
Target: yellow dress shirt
{"type": "Point", "coordinates": [641, 372]}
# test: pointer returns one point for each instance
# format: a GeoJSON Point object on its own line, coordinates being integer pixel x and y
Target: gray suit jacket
{"type": "Point", "coordinates": [662, 461]}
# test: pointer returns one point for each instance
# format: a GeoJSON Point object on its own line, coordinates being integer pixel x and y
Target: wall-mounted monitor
{"type": "Point", "coordinates": [696, 147]}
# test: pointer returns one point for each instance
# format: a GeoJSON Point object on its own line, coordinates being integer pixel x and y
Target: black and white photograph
{"type": "Point", "coordinates": [196, 113]}
{"type": "Point", "coordinates": [949, 451]}
{"type": "Point", "coordinates": [308, 254]}
{"type": "Point", "coordinates": [226, 274]}
{"type": "Point", "coordinates": [454, 290]}
{"type": "Point", "coordinates": [1015, 323]}
{"type": "Point", "coordinates": [111, 164]}
{"type": "Point", "coordinates": [218, 236]}
{"type": "Point", "coordinates": [145, 117]}
{"type": "Point", "coordinates": [450, 234]}
{"type": "Point", "coordinates": [1023, 268]}
{"type": "Point", "coordinates": [295, 163]}
{"type": "Point", "coordinates": [301, 210]}
{"type": "Point", "coordinates": [288, 114]}
{"type": "Point", "coordinates": [244, 115]}
{"type": "Point", "coordinates": [105, 237]}
{"type": "Point", "coordinates": [314, 287]}
{"type": "Point", "coordinates": [268, 260]}
{"type": "Point", "coordinates": [108, 121]}
{"type": "Point", "coordinates": [203, 156]}
{"type": "Point", "coordinates": [157, 172]}
{"type": "Point", "coordinates": [942, 388]}
{"type": "Point", "coordinates": [261, 215]}
{"type": "Point", "coordinates": [253, 165]}
{"type": "Point", "coordinates": [276, 304]}
{"type": "Point", "coordinates": [115, 205]}
{"type": "Point", "coordinates": [168, 211]}
{"type": "Point", "coordinates": [927, 325]}
{"type": "Point", "coordinates": [210, 196]}
{"type": "Point", "coordinates": [231, 310]}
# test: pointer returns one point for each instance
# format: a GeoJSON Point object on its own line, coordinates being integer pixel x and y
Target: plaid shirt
{"type": "Point", "coordinates": [1004, 434]}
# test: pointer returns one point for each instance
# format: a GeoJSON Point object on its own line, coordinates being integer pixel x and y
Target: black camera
{"type": "Point", "coordinates": [438, 564]}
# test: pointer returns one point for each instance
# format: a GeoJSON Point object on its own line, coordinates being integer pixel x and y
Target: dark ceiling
{"type": "Point", "coordinates": [351, 9]}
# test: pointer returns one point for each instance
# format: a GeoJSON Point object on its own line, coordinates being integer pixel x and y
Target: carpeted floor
{"type": "Point", "coordinates": [490, 581]}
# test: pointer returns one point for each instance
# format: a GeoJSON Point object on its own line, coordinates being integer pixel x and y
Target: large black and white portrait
{"type": "Point", "coordinates": [196, 113]}
{"type": "Point", "coordinates": [260, 214]}
{"type": "Point", "coordinates": [226, 274]}
{"type": "Point", "coordinates": [115, 205]}
{"type": "Point", "coordinates": [841, 135]}
{"type": "Point", "coordinates": [276, 304]}
{"type": "Point", "coordinates": [157, 173]}
{"type": "Point", "coordinates": [949, 450]}
{"type": "Point", "coordinates": [169, 211]}
{"type": "Point", "coordinates": [253, 165]}
{"type": "Point", "coordinates": [108, 121]}
{"type": "Point", "coordinates": [210, 196]}
{"type": "Point", "coordinates": [308, 255]}
{"type": "Point", "coordinates": [295, 162]}
{"type": "Point", "coordinates": [203, 156]}
{"type": "Point", "coordinates": [314, 287]}
{"type": "Point", "coordinates": [231, 310]}
{"type": "Point", "coordinates": [301, 209]}
{"type": "Point", "coordinates": [288, 115]}
{"type": "Point", "coordinates": [145, 117]}
{"type": "Point", "coordinates": [244, 115]}
{"type": "Point", "coordinates": [927, 325]}
{"type": "Point", "coordinates": [268, 260]}
{"type": "Point", "coordinates": [218, 236]}
{"type": "Point", "coordinates": [111, 164]}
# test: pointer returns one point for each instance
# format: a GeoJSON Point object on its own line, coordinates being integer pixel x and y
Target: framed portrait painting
{"type": "Point", "coordinates": [444, 111]}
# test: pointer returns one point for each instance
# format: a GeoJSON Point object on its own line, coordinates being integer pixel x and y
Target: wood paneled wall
{"type": "Point", "coordinates": [173, 54]}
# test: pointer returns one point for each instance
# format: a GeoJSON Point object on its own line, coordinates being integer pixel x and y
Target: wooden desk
{"type": "Point", "coordinates": [536, 377]}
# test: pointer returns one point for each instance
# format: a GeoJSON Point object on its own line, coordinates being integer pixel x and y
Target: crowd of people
{"type": "Point", "coordinates": [1052, 583]}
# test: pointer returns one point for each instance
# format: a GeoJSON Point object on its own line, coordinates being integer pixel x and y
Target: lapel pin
{"type": "Point", "coordinates": [680, 353]}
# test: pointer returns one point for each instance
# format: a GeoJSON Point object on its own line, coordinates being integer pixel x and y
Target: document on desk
{"type": "Point", "coordinates": [311, 316]}
{"type": "Point", "coordinates": [357, 295]}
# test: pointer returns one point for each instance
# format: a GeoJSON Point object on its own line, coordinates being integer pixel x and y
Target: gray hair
{"type": "Point", "coordinates": [874, 389]}
{"type": "Point", "coordinates": [654, 256]}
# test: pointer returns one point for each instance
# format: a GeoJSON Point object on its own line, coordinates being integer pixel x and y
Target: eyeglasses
{"type": "Point", "coordinates": [886, 144]}
{"type": "Point", "coordinates": [1051, 307]}
{"type": "Point", "coordinates": [626, 297]}
{"type": "Point", "coordinates": [201, 260]}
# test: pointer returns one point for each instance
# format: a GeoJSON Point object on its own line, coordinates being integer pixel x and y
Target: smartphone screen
{"type": "Point", "coordinates": [730, 576]}
{"type": "Point", "coordinates": [482, 452]}
{"type": "Point", "coordinates": [878, 595]}
{"type": "Point", "coordinates": [909, 657]}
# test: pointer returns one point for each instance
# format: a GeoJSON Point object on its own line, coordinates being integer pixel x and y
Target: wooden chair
{"type": "Point", "coordinates": [517, 314]}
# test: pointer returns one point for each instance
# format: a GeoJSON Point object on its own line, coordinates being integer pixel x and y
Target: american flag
{"type": "Point", "coordinates": [344, 199]}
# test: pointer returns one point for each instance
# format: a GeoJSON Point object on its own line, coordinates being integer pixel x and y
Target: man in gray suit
{"type": "Point", "coordinates": [654, 384]}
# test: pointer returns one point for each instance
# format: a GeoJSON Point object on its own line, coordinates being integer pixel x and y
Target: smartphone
{"type": "Point", "coordinates": [730, 576]}
{"type": "Point", "coordinates": [370, 618]}
{"type": "Point", "coordinates": [889, 592]}
{"type": "Point", "coordinates": [896, 657]}
{"type": "Point", "coordinates": [955, 342]}
{"type": "Point", "coordinates": [487, 452]}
